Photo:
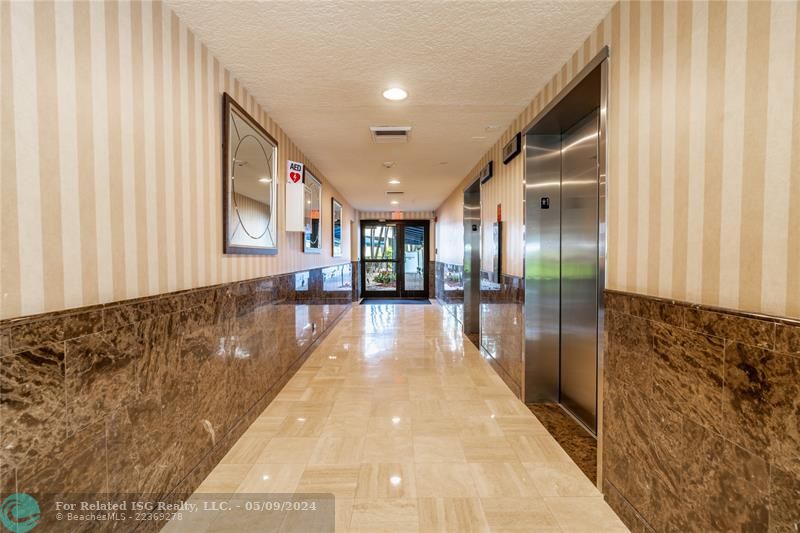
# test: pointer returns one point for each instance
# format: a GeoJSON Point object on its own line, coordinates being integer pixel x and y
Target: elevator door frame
{"type": "Point", "coordinates": [601, 63]}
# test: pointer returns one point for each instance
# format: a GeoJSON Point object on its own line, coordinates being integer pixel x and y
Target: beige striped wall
{"type": "Point", "coordinates": [111, 187]}
{"type": "Point", "coordinates": [704, 154]}
{"type": "Point", "coordinates": [398, 215]}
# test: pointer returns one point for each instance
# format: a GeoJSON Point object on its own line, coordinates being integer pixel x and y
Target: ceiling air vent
{"type": "Point", "coordinates": [394, 193]}
{"type": "Point", "coordinates": [390, 134]}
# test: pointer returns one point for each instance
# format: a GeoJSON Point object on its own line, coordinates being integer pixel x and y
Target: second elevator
{"type": "Point", "coordinates": [564, 250]}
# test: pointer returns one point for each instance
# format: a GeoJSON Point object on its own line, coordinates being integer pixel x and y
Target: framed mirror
{"type": "Point", "coordinates": [336, 228]}
{"type": "Point", "coordinates": [312, 200]}
{"type": "Point", "coordinates": [249, 183]}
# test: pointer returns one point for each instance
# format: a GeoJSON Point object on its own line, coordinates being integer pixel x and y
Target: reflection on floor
{"type": "Point", "coordinates": [410, 430]}
{"type": "Point", "coordinates": [579, 444]}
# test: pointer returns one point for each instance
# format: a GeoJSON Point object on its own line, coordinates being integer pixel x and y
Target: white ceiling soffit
{"type": "Point", "coordinates": [319, 69]}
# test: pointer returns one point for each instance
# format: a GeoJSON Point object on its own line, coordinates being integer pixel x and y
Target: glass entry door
{"type": "Point", "coordinates": [394, 259]}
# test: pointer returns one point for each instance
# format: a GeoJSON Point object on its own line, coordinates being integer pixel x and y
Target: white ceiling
{"type": "Point", "coordinates": [319, 68]}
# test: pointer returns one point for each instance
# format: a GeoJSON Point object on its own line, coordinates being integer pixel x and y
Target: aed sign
{"type": "Point", "coordinates": [294, 197]}
{"type": "Point", "coordinates": [294, 172]}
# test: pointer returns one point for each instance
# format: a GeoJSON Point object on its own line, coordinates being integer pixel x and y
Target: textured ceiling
{"type": "Point", "coordinates": [318, 68]}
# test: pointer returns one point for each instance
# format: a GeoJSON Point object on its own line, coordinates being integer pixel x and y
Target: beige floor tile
{"type": "Point", "coordinates": [246, 450]}
{"type": "Point", "coordinates": [522, 425]}
{"type": "Point", "coordinates": [519, 514]}
{"type": "Point", "coordinates": [301, 426]}
{"type": "Point", "coordinates": [321, 393]}
{"type": "Point", "coordinates": [339, 480]}
{"type": "Point", "coordinates": [471, 407]}
{"type": "Point", "coordinates": [385, 515]}
{"type": "Point", "coordinates": [225, 478]}
{"type": "Point", "coordinates": [387, 449]}
{"type": "Point", "coordinates": [344, 512]}
{"type": "Point", "coordinates": [278, 407]}
{"type": "Point", "coordinates": [537, 448]}
{"type": "Point", "coordinates": [438, 450]}
{"type": "Point", "coordinates": [479, 426]}
{"type": "Point", "coordinates": [561, 479]}
{"type": "Point", "coordinates": [446, 480]}
{"type": "Point", "coordinates": [387, 391]}
{"type": "Point", "coordinates": [344, 426]}
{"type": "Point", "coordinates": [271, 478]}
{"type": "Point", "coordinates": [589, 515]}
{"type": "Point", "coordinates": [386, 480]}
{"type": "Point", "coordinates": [487, 449]}
{"type": "Point", "coordinates": [351, 407]}
{"type": "Point", "coordinates": [392, 408]}
{"type": "Point", "coordinates": [264, 426]}
{"type": "Point", "coordinates": [288, 450]}
{"type": "Point", "coordinates": [435, 427]}
{"type": "Point", "coordinates": [296, 394]}
{"type": "Point", "coordinates": [508, 407]}
{"type": "Point", "coordinates": [388, 426]}
{"type": "Point", "coordinates": [451, 515]}
{"type": "Point", "coordinates": [502, 479]}
{"type": "Point", "coordinates": [337, 451]}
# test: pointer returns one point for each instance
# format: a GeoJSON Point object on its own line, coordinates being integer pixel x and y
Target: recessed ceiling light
{"type": "Point", "coordinates": [478, 137]}
{"type": "Point", "coordinates": [265, 180]}
{"type": "Point", "coordinates": [395, 93]}
{"type": "Point", "coordinates": [395, 202]}
{"type": "Point", "coordinates": [388, 164]}
{"type": "Point", "coordinates": [394, 182]}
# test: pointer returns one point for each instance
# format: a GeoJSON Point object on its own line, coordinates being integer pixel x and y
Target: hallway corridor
{"type": "Point", "coordinates": [400, 418]}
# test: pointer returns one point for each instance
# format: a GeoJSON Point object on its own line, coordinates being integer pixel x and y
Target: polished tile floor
{"type": "Point", "coordinates": [411, 430]}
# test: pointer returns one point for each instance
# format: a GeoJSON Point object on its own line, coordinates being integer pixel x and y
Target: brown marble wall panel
{"type": "Point", "coordinates": [502, 334]}
{"type": "Point", "coordinates": [449, 287]}
{"type": "Point", "coordinates": [503, 326]}
{"type": "Point", "coordinates": [145, 396]}
{"type": "Point", "coordinates": [701, 417]}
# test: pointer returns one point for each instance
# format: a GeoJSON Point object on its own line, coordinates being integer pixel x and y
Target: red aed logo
{"type": "Point", "coordinates": [295, 177]}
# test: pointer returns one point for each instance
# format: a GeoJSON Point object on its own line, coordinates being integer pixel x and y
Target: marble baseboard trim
{"type": "Point", "coordinates": [131, 396]}
{"type": "Point", "coordinates": [700, 415]}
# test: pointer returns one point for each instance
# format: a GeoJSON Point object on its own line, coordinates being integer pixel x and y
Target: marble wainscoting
{"type": "Point", "coordinates": [144, 397]}
{"type": "Point", "coordinates": [356, 268]}
{"type": "Point", "coordinates": [701, 417]}
{"type": "Point", "coordinates": [503, 328]}
{"type": "Point", "coordinates": [449, 288]}
{"type": "Point", "coordinates": [431, 279]}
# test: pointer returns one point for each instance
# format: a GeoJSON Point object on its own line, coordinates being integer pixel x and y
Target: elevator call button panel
{"type": "Point", "coordinates": [545, 202]}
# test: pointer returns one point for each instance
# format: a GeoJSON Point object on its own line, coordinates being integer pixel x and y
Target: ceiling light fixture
{"type": "Point", "coordinates": [394, 182]}
{"type": "Point", "coordinates": [395, 202]}
{"type": "Point", "coordinates": [395, 94]}
{"type": "Point", "coordinates": [265, 180]}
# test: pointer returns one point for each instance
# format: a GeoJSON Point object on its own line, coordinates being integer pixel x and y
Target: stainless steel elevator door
{"type": "Point", "coordinates": [472, 263]}
{"type": "Point", "coordinates": [542, 267]}
{"type": "Point", "coordinates": [579, 269]}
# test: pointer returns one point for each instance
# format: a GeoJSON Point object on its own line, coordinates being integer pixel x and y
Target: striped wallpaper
{"type": "Point", "coordinates": [110, 186]}
{"type": "Point", "coordinates": [704, 155]}
{"type": "Point", "coordinates": [399, 215]}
